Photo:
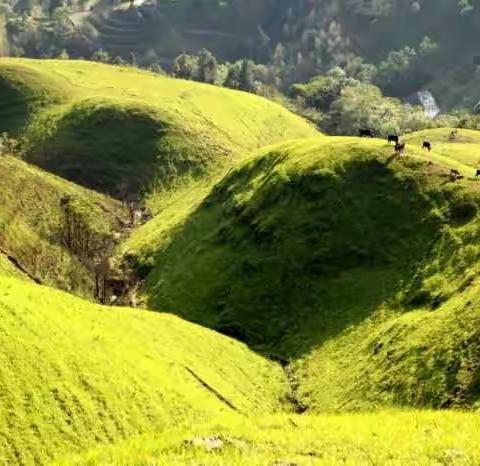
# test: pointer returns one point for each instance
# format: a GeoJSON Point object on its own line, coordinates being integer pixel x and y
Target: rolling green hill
{"type": "Point", "coordinates": [353, 268]}
{"type": "Point", "coordinates": [319, 252]}
{"type": "Point", "coordinates": [121, 130]}
{"type": "Point", "coordinates": [74, 375]}
{"type": "Point", "coordinates": [52, 230]}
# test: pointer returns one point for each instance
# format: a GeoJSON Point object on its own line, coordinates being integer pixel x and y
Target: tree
{"type": "Point", "coordinates": [233, 76]}
{"type": "Point", "coordinates": [156, 68]}
{"type": "Point", "coordinates": [185, 66]}
{"type": "Point", "coordinates": [119, 61]}
{"type": "Point", "coordinates": [63, 55]}
{"type": "Point", "coordinates": [246, 78]}
{"type": "Point", "coordinates": [101, 56]}
{"type": "Point", "coordinates": [207, 67]}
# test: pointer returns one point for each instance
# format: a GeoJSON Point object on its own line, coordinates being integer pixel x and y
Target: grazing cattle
{"type": "Point", "coordinates": [427, 145]}
{"type": "Point", "coordinates": [399, 148]}
{"type": "Point", "coordinates": [392, 138]}
{"type": "Point", "coordinates": [453, 135]}
{"type": "Point", "coordinates": [477, 174]}
{"type": "Point", "coordinates": [365, 133]}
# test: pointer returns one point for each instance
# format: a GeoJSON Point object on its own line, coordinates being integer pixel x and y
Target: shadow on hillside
{"type": "Point", "coordinates": [117, 151]}
{"type": "Point", "coordinates": [13, 109]}
{"type": "Point", "coordinates": [285, 259]}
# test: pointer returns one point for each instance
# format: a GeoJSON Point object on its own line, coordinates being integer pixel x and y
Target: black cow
{"type": "Point", "coordinates": [399, 148]}
{"type": "Point", "coordinates": [477, 174]}
{"type": "Point", "coordinates": [365, 133]}
{"type": "Point", "coordinates": [393, 138]}
{"type": "Point", "coordinates": [427, 145]}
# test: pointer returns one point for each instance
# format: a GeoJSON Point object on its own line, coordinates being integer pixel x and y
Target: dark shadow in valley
{"type": "Point", "coordinates": [286, 259]}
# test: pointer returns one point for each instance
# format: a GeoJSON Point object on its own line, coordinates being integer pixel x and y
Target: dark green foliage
{"type": "Point", "coordinates": [185, 66]}
{"type": "Point", "coordinates": [246, 77]}
{"type": "Point", "coordinates": [207, 67]}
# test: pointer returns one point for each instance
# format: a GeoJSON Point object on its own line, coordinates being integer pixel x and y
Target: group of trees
{"type": "Point", "coordinates": [204, 67]}
{"type": "Point", "coordinates": [342, 104]}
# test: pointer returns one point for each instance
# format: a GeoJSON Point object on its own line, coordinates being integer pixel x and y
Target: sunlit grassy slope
{"type": "Point", "coordinates": [33, 225]}
{"type": "Point", "coordinates": [335, 253]}
{"type": "Point", "coordinates": [463, 149]}
{"type": "Point", "coordinates": [386, 438]}
{"type": "Point", "coordinates": [121, 130]}
{"type": "Point", "coordinates": [74, 374]}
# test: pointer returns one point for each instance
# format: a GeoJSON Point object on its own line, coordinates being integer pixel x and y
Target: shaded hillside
{"type": "Point", "coordinates": [74, 375]}
{"type": "Point", "coordinates": [144, 132]}
{"type": "Point", "coordinates": [311, 247]}
{"type": "Point", "coordinates": [53, 231]}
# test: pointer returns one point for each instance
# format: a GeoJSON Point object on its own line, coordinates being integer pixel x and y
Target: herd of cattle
{"type": "Point", "coordinates": [426, 145]}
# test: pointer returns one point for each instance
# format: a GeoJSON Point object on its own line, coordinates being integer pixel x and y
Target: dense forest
{"type": "Point", "coordinates": [397, 46]}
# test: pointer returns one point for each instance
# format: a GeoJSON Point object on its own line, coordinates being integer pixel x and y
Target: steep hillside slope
{"type": "Point", "coordinates": [312, 248]}
{"type": "Point", "coordinates": [121, 130]}
{"type": "Point", "coordinates": [74, 375]}
{"type": "Point", "coordinates": [53, 231]}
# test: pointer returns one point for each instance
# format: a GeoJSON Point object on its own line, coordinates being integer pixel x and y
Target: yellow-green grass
{"type": "Point", "coordinates": [312, 249]}
{"type": "Point", "coordinates": [33, 226]}
{"type": "Point", "coordinates": [7, 267]}
{"type": "Point", "coordinates": [389, 438]}
{"type": "Point", "coordinates": [465, 148]}
{"type": "Point", "coordinates": [74, 375]}
{"type": "Point", "coordinates": [121, 130]}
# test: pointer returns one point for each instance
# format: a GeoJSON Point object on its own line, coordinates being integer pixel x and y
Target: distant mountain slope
{"type": "Point", "coordinates": [312, 249]}
{"type": "Point", "coordinates": [121, 130]}
{"type": "Point", "coordinates": [74, 375]}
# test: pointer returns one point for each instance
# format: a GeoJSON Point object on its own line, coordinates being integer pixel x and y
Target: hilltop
{"type": "Point", "coordinates": [319, 252]}
{"type": "Point", "coordinates": [120, 130]}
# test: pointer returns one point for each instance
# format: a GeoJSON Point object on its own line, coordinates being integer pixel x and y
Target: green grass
{"type": "Point", "coordinates": [74, 375]}
{"type": "Point", "coordinates": [121, 130]}
{"type": "Point", "coordinates": [357, 268]}
{"type": "Point", "coordinates": [10, 269]}
{"type": "Point", "coordinates": [463, 149]}
{"type": "Point", "coordinates": [32, 225]}
{"type": "Point", "coordinates": [381, 439]}
{"type": "Point", "coordinates": [311, 250]}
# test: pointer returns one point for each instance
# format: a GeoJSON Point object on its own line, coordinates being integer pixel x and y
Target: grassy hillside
{"type": "Point", "coordinates": [385, 438]}
{"type": "Point", "coordinates": [50, 228]}
{"type": "Point", "coordinates": [121, 130]}
{"type": "Point", "coordinates": [74, 375]}
{"type": "Point", "coordinates": [463, 149]}
{"type": "Point", "coordinates": [311, 250]}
